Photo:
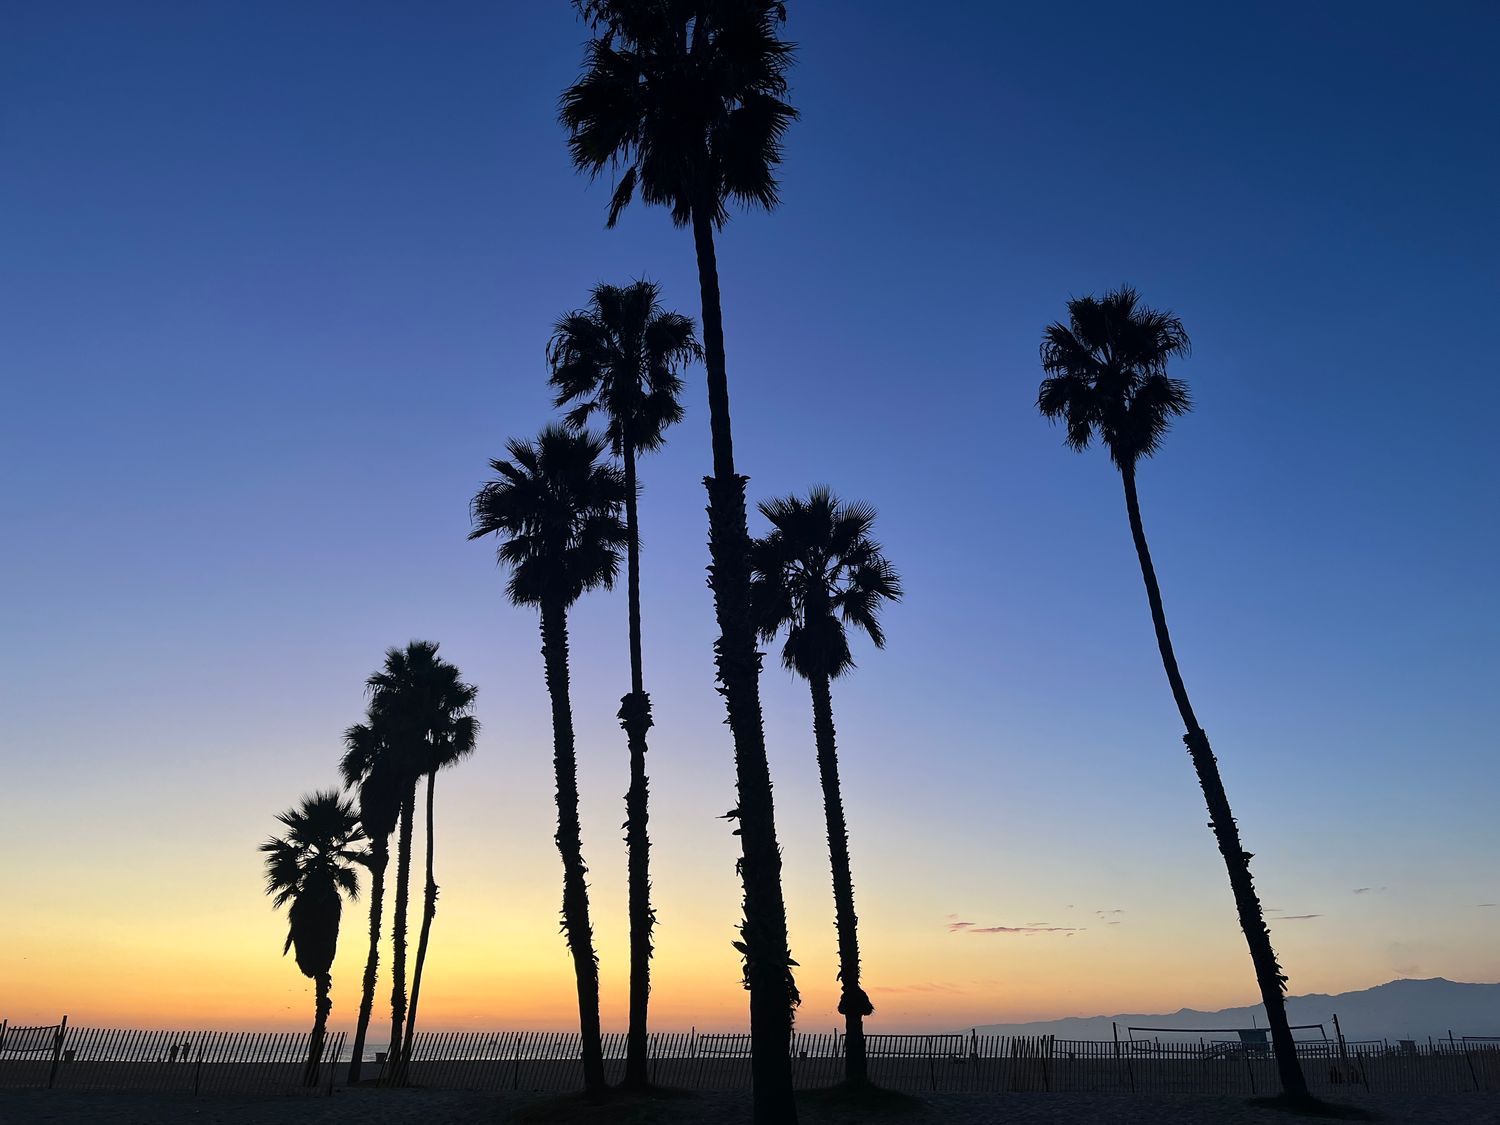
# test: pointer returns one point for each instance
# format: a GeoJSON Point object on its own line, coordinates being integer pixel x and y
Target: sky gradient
{"type": "Point", "coordinates": [275, 283]}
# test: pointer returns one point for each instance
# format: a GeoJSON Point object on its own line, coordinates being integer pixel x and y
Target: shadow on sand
{"type": "Point", "coordinates": [1314, 1107]}
{"type": "Point", "coordinates": [664, 1106]}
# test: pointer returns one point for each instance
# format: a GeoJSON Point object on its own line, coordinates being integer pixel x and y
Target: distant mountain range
{"type": "Point", "coordinates": [1402, 1009]}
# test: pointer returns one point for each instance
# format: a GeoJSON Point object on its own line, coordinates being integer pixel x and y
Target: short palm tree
{"type": "Point", "coordinates": [815, 573]}
{"type": "Point", "coordinates": [1107, 377]}
{"type": "Point", "coordinates": [556, 509]}
{"type": "Point", "coordinates": [311, 866]}
{"type": "Point", "coordinates": [369, 765]}
{"type": "Point", "coordinates": [422, 707]}
{"type": "Point", "coordinates": [688, 96]}
{"type": "Point", "coordinates": [619, 357]}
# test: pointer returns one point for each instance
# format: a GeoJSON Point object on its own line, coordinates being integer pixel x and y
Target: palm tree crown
{"type": "Point", "coordinates": [421, 707]}
{"type": "Point", "coordinates": [368, 766]}
{"type": "Point", "coordinates": [312, 866]}
{"type": "Point", "coordinates": [1107, 372]}
{"type": "Point", "coordinates": [556, 508]}
{"type": "Point", "coordinates": [687, 96]}
{"type": "Point", "coordinates": [817, 571]}
{"type": "Point", "coordinates": [620, 356]}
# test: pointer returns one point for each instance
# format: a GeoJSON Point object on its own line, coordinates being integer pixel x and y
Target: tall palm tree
{"type": "Point", "coordinates": [556, 510]}
{"type": "Point", "coordinates": [619, 357]}
{"type": "Point", "coordinates": [368, 764]}
{"type": "Point", "coordinates": [311, 866]}
{"type": "Point", "coordinates": [422, 707]}
{"type": "Point", "coordinates": [816, 572]}
{"type": "Point", "coordinates": [688, 96]}
{"type": "Point", "coordinates": [1107, 376]}
{"type": "Point", "coordinates": [452, 736]}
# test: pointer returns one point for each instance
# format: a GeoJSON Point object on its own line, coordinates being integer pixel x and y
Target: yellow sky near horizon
{"type": "Point", "coordinates": [162, 931]}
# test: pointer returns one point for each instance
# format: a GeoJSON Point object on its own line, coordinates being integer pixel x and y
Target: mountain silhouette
{"type": "Point", "coordinates": [1401, 1009]}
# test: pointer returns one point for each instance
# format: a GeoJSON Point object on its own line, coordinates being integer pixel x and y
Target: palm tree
{"type": "Point", "coordinates": [422, 706]}
{"type": "Point", "coordinates": [368, 763]}
{"type": "Point", "coordinates": [312, 867]}
{"type": "Point", "coordinates": [450, 739]}
{"type": "Point", "coordinates": [688, 96]}
{"type": "Point", "coordinates": [1107, 375]}
{"type": "Point", "coordinates": [817, 571]}
{"type": "Point", "coordinates": [620, 357]}
{"type": "Point", "coordinates": [556, 510]}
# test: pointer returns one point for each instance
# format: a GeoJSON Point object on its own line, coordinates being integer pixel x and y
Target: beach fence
{"type": "Point", "coordinates": [67, 1057]}
{"type": "Point", "coordinates": [551, 1062]}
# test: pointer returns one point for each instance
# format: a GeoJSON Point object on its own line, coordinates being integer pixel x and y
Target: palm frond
{"type": "Point", "coordinates": [308, 867]}
{"type": "Point", "coordinates": [556, 509]}
{"type": "Point", "coordinates": [815, 572]}
{"type": "Point", "coordinates": [688, 98]}
{"type": "Point", "coordinates": [1106, 374]}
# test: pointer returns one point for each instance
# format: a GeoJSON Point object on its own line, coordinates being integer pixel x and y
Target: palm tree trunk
{"type": "Point", "coordinates": [575, 909]}
{"type": "Point", "coordinates": [381, 853]}
{"type": "Point", "coordinates": [854, 1004]}
{"type": "Point", "coordinates": [1252, 919]}
{"type": "Point", "coordinates": [324, 984]}
{"type": "Point", "coordinates": [768, 962]}
{"type": "Point", "coordinates": [398, 936]}
{"type": "Point", "coordinates": [635, 717]}
{"type": "Point", "coordinates": [429, 908]}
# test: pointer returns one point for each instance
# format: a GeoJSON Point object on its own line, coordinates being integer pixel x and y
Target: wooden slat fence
{"type": "Point", "coordinates": [240, 1062]}
{"type": "Point", "coordinates": [90, 1058]}
{"type": "Point", "coordinates": [551, 1062]}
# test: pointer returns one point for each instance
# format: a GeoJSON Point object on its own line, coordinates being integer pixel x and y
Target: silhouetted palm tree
{"type": "Point", "coordinates": [368, 764]}
{"type": "Point", "coordinates": [556, 509]}
{"type": "Point", "coordinates": [817, 571]}
{"type": "Point", "coordinates": [688, 96]}
{"type": "Point", "coordinates": [620, 357]}
{"type": "Point", "coordinates": [311, 866]}
{"type": "Point", "coordinates": [421, 707]}
{"type": "Point", "coordinates": [1107, 375]}
{"type": "Point", "coordinates": [450, 737]}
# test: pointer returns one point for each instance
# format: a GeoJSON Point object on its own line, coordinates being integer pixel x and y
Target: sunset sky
{"type": "Point", "coordinates": [275, 283]}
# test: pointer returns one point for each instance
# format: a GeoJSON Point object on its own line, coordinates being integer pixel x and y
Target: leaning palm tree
{"type": "Point", "coordinates": [816, 572]}
{"type": "Point", "coordinates": [451, 738]}
{"type": "Point", "coordinates": [620, 357]}
{"type": "Point", "coordinates": [688, 97]}
{"type": "Point", "coordinates": [311, 866]}
{"type": "Point", "coordinates": [368, 763]}
{"type": "Point", "coordinates": [556, 510]}
{"type": "Point", "coordinates": [1107, 376]}
{"type": "Point", "coordinates": [419, 703]}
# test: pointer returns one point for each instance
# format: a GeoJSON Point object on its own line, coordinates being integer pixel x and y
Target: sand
{"type": "Point", "coordinates": [454, 1107]}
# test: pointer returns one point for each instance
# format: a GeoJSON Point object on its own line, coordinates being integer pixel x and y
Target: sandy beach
{"type": "Point", "coordinates": [447, 1107]}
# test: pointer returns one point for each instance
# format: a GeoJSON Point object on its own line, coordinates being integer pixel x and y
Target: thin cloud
{"type": "Point", "coordinates": [1023, 929]}
{"type": "Point", "coordinates": [1368, 890]}
{"type": "Point", "coordinates": [1296, 917]}
{"type": "Point", "coordinates": [920, 988]}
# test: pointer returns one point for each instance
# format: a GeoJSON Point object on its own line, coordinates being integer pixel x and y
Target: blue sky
{"type": "Point", "coordinates": [275, 284]}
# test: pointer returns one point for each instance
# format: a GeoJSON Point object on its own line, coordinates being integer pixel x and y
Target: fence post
{"type": "Point", "coordinates": [1467, 1059]}
{"type": "Point", "coordinates": [338, 1050]}
{"type": "Point", "coordinates": [1128, 1069]}
{"type": "Point", "coordinates": [57, 1042]}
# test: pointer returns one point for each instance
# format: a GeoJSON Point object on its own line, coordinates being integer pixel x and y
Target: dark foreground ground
{"type": "Point", "coordinates": [451, 1107]}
